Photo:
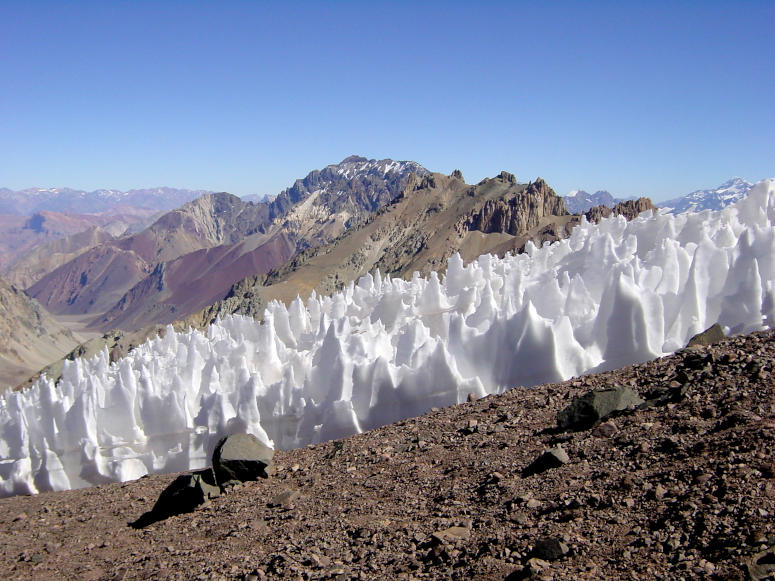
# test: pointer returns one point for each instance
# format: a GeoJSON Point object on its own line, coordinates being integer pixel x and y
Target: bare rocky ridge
{"type": "Point", "coordinates": [29, 336]}
{"type": "Point", "coordinates": [434, 217]}
{"type": "Point", "coordinates": [682, 487]}
{"type": "Point", "coordinates": [628, 208]}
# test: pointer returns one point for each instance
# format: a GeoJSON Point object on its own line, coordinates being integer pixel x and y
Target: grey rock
{"type": "Point", "coordinates": [595, 406]}
{"type": "Point", "coordinates": [284, 498]}
{"type": "Point", "coordinates": [709, 336]}
{"type": "Point", "coordinates": [241, 457]}
{"type": "Point", "coordinates": [552, 458]}
{"type": "Point", "coordinates": [451, 535]}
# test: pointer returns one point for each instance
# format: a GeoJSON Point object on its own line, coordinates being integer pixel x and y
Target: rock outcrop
{"type": "Point", "coordinates": [516, 213]}
{"type": "Point", "coordinates": [629, 209]}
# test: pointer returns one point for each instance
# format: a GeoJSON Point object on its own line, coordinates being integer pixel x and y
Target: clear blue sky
{"type": "Point", "coordinates": [634, 97]}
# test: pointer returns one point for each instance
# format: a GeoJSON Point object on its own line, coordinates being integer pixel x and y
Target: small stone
{"type": "Point", "coordinates": [284, 498]}
{"type": "Point", "coordinates": [452, 535]}
{"type": "Point", "coordinates": [605, 430]}
{"type": "Point", "coordinates": [709, 336]}
{"type": "Point", "coordinates": [552, 458]}
{"type": "Point", "coordinates": [761, 566]}
{"type": "Point", "coordinates": [184, 494]}
{"type": "Point", "coordinates": [533, 503]}
{"type": "Point", "coordinates": [537, 565]}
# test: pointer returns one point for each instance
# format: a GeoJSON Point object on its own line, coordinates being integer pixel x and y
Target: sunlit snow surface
{"type": "Point", "coordinates": [385, 349]}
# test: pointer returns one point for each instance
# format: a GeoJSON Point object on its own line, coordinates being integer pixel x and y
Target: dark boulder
{"type": "Point", "coordinates": [595, 406]}
{"type": "Point", "coordinates": [550, 549]}
{"type": "Point", "coordinates": [240, 458]}
{"type": "Point", "coordinates": [709, 336]}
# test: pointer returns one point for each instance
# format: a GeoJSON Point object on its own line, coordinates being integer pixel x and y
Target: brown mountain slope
{"type": "Point", "coordinates": [29, 337]}
{"type": "Point", "coordinates": [38, 262]}
{"type": "Point", "coordinates": [186, 285]}
{"type": "Point", "coordinates": [97, 279]}
{"type": "Point", "coordinates": [683, 489]}
{"type": "Point", "coordinates": [22, 236]}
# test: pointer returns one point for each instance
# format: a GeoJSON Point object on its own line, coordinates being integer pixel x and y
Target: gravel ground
{"type": "Point", "coordinates": [681, 489]}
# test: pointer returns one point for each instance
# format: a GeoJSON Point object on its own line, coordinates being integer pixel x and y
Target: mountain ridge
{"type": "Point", "coordinates": [217, 234]}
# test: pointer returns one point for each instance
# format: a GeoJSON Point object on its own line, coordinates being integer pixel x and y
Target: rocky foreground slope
{"type": "Point", "coordinates": [683, 487]}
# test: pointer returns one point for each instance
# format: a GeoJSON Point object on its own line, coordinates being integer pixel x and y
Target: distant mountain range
{"type": "Point", "coordinates": [578, 201]}
{"type": "Point", "coordinates": [32, 200]}
{"type": "Point", "coordinates": [713, 199]}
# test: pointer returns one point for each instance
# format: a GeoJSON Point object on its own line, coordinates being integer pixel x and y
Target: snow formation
{"type": "Point", "coordinates": [385, 349]}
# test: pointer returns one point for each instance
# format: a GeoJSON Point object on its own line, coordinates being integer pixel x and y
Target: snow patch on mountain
{"type": "Point", "coordinates": [355, 165]}
{"type": "Point", "coordinates": [385, 349]}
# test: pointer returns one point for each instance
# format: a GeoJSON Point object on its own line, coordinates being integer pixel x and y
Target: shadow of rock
{"type": "Point", "coordinates": [184, 494]}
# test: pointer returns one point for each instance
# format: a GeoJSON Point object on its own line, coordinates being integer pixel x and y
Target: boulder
{"type": "Point", "coordinates": [709, 336]}
{"type": "Point", "coordinates": [240, 458]}
{"type": "Point", "coordinates": [595, 406]}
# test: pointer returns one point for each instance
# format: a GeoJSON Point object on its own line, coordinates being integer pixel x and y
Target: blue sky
{"type": "Point", "coordinates": [634, 97]}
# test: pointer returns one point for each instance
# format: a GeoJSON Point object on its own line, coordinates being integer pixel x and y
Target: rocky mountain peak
{"type": "Point", "coordinates": [508, 177]}
{"type": "Point", "coordinates": [353, 159]}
